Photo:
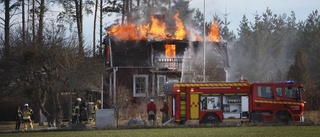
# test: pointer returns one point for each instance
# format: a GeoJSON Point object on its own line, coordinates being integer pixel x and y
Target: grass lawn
{"type": "Point", "coordinates": [253, 131]}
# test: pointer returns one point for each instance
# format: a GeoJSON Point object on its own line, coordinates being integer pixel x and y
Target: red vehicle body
{"type": "Point", "coordinates": [215, 102]}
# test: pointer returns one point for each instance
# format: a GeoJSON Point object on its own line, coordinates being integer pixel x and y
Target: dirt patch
{"type": "Point", "coordinates": [312, 117]}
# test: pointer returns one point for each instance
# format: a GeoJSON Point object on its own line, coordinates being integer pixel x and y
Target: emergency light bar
{"type": "Point", "coordinates": [288, 82]}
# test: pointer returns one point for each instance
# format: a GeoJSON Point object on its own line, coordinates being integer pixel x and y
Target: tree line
{"type": "Point", "coordinates": [274, 48]}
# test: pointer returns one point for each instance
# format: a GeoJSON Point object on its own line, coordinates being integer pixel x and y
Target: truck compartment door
{"type": "Point", "coordinates": [244, 106]}
{"type": "Point", "coordinates": [194, 106]}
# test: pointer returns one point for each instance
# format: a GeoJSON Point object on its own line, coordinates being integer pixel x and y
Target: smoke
{"type": "Point", "coordinates": [195, 60]}
{"type": "Point", "coordinates": [266, 59]}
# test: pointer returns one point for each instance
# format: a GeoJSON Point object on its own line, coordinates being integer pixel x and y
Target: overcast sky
{"type": "Point", "coordinates": [237, 8]}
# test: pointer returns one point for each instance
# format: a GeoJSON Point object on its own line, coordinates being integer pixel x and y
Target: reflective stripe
{"type": "Point", "coordinates": [235, 84]}
{"type": "Point", "coordinates": [27, 114]}
{"type": "Point", "coordinates": [276, 102]}
{"type": "Point", "coordinates": [94, 109]}
{"type": "Point", "coordinates": [74, 111]}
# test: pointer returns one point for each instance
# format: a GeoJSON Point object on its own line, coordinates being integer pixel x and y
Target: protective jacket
{"type": "Point", "coordinates": [76, 110]}
{"type": "Point", "coordinates": [94, 109]}
{"type": "Point", "coordinates": [151, 108]}
{"type": "Point", "coordinates": [165, 109]}
{"type": "Point", "coordinates": [27, 113]}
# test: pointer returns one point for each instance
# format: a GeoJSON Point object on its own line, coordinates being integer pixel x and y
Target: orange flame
{"type": "Point", "coordinates": [170, 50]}
{"type": "Point", "coordinates": [128, 32]}
{"type": "Point", "coordinates": [158, 29]}
{"type": "Point", "coordinates": [214, 32]}
{"type": "Point", "coordinates": [180, 33]}
{"type": "Point", "coordinates": [142, 31]}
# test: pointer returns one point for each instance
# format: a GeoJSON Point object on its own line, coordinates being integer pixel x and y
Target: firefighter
{"type": "Point", "coordinates": [94, 109]}
{"type": "Point", "coordinates": [76, 111]}
{"type": "Point", "coordinates": [152, 111]}
{"type": "Point", "coordinates": [26, 117]}
{"type": "Point", "coordinates": [164, 111]}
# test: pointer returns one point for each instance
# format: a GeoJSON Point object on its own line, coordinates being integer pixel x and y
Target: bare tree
{"type": "Point", "coordinates": [46, 75]}
{"type": "Point", "coordinates": [33, 11]}
{"type": "Point", "coordinates": [94, 27]}
{"type": "Point", "coordinates": [73, 12]}
{"type": "Point", "coordinates": [9, 11]}
{"type": "Point", "coordinates": [41, 16]}
{"type": "Point", "coordinates": [23, 23]}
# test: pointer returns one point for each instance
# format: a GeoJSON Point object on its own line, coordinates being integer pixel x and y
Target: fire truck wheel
{"type": "Point", "coordinates": [210, 118]}
{"type": "Point", "coordinates": [283, 117]}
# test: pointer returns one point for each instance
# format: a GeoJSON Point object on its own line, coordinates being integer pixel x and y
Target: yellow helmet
{"type": "Point", "coordinates": [98, 101]}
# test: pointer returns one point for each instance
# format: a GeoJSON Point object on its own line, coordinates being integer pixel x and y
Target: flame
{"type": "Point", "coordinates": [128, 32]}
{"type": "Point", "coordinates": [214, 32]}
{"type": "Point", "coordinates": [158, 29]}
{"type": "Point", "coordinates": [142, 31]}
{"type": "Point", "coordinates": [170, 50]}
{"type": "Point", "coordinates": [180, 33]}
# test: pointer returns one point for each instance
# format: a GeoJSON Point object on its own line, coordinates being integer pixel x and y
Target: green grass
{"type": "Point", "coordinates": [254, 131]}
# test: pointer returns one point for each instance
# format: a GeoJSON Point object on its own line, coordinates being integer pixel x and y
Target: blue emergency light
{"type": "Point", "coordinates": [288, 81]}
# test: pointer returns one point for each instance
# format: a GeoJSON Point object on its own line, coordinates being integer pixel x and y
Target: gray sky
{"type": "Point", "coordinates": [237, 8]}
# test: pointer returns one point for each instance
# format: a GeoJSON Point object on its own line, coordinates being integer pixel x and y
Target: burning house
{"type": "Point", "coordinates": [141, 59]}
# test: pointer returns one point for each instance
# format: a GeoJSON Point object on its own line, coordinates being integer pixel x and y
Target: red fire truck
{"type": "Point", "coordinates": [216, 102]}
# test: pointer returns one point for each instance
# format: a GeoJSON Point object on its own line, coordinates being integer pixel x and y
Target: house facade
{"type": "Point", "coordinates": [140, 68]}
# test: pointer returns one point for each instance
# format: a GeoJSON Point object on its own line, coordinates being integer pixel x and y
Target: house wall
{"type": "Point", "coordinates": [138, 58]}
{"type": "Point", "coordinates": [130, 54]}
{"type": "Point", "coordinates": [125, 76]}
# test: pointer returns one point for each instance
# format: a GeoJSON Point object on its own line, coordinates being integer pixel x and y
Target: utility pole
{"type": "Point", "coordinates": [204, 40]}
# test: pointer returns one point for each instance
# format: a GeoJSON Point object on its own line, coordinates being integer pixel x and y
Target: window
{"type": "Point", "coordinates": [264, 92]}
{"type": "Point", "coordinates": [161, 80]}
{"type": "Point", "coordinates": [291, 92]}
{"type": "Point", "coordinates": [140, 85]}
{"type": "Point", "coordinates": [279, 91]}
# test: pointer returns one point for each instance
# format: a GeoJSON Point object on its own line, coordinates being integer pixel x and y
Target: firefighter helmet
{"type": "Point", "coordinates": [98, 101]}
{"type": "Point", "coordinates": [79, 99]}
{"type": "Point", "coordinates": [26, 105]}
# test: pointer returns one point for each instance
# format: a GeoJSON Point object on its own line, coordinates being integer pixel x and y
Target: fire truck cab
{"type": "Point", "coordinates": [216, 102]}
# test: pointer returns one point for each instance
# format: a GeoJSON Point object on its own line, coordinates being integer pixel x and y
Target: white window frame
{"type": "Point", "coordinates": [142, 94]}
{"type": "Point", "coordinates": [160, 87]}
